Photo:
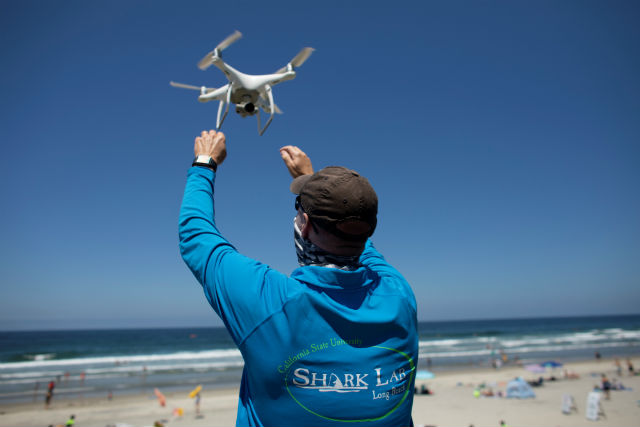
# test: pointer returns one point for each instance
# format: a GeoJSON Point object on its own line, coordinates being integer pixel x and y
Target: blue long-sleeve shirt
{"type": "Point", "coordinates": [323, 347]}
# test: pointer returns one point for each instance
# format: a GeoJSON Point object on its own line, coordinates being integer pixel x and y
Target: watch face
{"type": "Point", "coordinates": [205, 161]}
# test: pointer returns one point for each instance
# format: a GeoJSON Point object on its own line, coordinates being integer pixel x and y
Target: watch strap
{"type": "Point", "coordinates": [205, 161]}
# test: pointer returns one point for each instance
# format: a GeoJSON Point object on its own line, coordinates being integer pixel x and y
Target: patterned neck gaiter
{"type": "Point", "coordinates": [310, 254]}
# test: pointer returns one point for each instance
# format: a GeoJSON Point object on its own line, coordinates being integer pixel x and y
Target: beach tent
{"type": "Point", "coordinates": [519, 389]}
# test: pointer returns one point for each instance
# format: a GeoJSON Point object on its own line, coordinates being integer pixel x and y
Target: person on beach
{"type": "Point", "coordinates": [197, 403]}
{"type": "Point", "coordinates": [336, 341]}
{"type": "Point", "coordinates": [606, 387]}
{"type": "Point", "coordinates": [47, 399]}
{"type": "Point", "coordinates": [49, 395]}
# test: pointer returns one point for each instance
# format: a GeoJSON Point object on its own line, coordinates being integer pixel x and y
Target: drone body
{"type": "Point", "coordinates": [249, 93]}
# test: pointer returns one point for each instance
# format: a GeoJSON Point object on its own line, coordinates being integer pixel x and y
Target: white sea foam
{"type": "Point", "coordinates": [160, 368]}
{"type": "Point", "coordinates": [441, 343]}
{"type": "Point", "coordinates": [605, 338]}
{"type": "Point", "coordinates": [530, 349]}
{"type": "Point", "coordinates": [627, 335]}
{"type": "Point", "coordinates": [39, 357]}
{"type": "Point", "coordinates": [30, 374]}
{"type": "Point", "coordinates": [114, 360]}
{"type": "Point", "coordinates": [485, 346]}
{"type": "Point", "coordinates": [120, 371]}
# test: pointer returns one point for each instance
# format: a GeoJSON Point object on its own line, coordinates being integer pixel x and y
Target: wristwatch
{"type": "Point", "coordinates": [205, 161]}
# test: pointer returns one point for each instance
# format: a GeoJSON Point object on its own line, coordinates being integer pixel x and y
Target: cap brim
{"type": "Point", "coordinates": [298, 183]}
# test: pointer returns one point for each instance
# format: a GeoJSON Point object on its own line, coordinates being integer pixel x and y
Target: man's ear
{"type": "Point", "coordinates": [305, 226]}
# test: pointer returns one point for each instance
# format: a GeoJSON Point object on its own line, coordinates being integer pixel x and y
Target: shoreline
{"type": "Point", "coordinates": [452, 404]}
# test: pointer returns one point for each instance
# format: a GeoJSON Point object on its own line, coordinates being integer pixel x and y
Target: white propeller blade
{"type": "Point", "coordinates": [184, 86]}
{"type": "Point", "coordinates": [302, 56]}
{"type": "Point", "coordinates": [229, 40]}
{"type": "Point", "coordinates": [208, 58]}
{"type": "Point", "coordinates": [299, 59]}
{"type": "Point", "coordinates": [198, 88]}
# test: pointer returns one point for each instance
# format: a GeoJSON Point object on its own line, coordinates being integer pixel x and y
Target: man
{"type": "Point", "coordinates": [49, 395]}
{"type": "Point", "coordinates": [336, 342]}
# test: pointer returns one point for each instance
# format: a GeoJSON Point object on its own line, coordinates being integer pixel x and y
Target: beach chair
{"type": "Point", "coordinates": [594, 407]}
{"type": "Point", "coordinates": [568, 404]}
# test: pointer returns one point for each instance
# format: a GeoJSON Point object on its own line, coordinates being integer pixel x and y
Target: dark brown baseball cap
{"type": "Point", "coordinates": [339, 200]}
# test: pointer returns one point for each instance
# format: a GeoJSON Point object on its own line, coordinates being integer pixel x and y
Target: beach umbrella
{"type": "Point", "coordinates": [538, 369]}
{"type": "Point", "coordinates": [551, 364]}
{"type": "Point", "coordinates": [424, 375]}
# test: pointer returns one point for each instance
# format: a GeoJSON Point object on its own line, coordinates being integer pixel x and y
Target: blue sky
{"type": "Point", "coordinates": [502, 138]}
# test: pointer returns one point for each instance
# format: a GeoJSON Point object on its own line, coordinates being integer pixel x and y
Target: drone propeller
{"type": "Point", "coordinates": [208, 59]}
{"type": "Point", "coordinates": [199, 88]}
{"type": "Point", "coordinates": [184, 86]}
{"type": "Point", "coordinates": [298, 60]}
{"type": "Point", "coordinates": [229, 40]}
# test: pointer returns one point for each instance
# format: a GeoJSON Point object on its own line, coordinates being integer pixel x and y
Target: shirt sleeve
{"type": "Point", "coordinates": [374, 260]}
{"type": "Point", "coordinates": [241, 290]}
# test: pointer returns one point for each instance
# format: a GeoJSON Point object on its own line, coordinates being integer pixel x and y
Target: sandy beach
{"type": "Point", "coordinates": [452, 404]}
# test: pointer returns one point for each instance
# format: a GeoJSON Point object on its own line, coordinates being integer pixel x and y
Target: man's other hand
{"type": "Point", "coordinates": [211, 144]}
{"type": "Point", "coordinates": [296, 161]}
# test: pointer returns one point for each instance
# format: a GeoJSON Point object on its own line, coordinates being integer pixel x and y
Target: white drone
{"type": "Point", "coordinates": [249, 93]}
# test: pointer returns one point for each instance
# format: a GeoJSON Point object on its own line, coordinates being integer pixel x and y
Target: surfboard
{"type": "Point", "coordinates": [195, 391]}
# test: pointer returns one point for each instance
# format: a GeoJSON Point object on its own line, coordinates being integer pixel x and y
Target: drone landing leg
{"type": "Point", "coordinates": [219, 121]}
{"type": "Point", "coordinates": [261, 131]}
{"type": "Point", "coordinates": [226, 111]}
{"type": "Point", "coordinates": [258, 117]}
{"type": "Point", "coordinates": [270, 96]}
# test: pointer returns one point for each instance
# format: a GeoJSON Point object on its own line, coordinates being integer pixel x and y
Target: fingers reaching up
{"type": "Point", "coordinates": [296, 161]}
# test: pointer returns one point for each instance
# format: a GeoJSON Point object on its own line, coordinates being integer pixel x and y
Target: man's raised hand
{"type": "Point", "coordinates": [296, 161]}
{"type": "Point", "coordinates": [212, 144]}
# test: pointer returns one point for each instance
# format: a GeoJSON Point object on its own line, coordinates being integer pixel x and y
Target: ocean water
{"type": "Point", "coordinates": [95, 363]}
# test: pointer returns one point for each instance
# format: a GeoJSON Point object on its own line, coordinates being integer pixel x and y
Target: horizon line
{"type": "Point", "coordinates": [488, 319]}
